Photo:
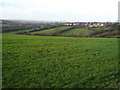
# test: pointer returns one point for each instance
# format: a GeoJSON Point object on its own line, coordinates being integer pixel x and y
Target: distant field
{"type": "Point", "coordinates": [5, 25]}
{"type": "Point", "coordinates": [110, 31]}
{"type": "Point", "coordinates": [59, 62]}
{"type": "Point", "coordinates": [52, 31]}
{"type": "Point", "coordinates": [98, 29]}
{"type": "Point", "coordinates": [26, 30]}
{"type": "Point", "coordinates": [77, 32]}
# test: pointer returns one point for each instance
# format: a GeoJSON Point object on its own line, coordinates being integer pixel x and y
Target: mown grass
{"type": "Point", "coordinates": [59, 62]}
{"type": "Point", "coordinates": [77, 32]}
{"type": "Point", "coordinates": [51, 31]}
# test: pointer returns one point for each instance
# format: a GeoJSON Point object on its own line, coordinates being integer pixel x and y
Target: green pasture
{"type": "Point", "coordinates": [51, 31]}
{"type": "Point", "coordinates": [77, 32]}
{"type": "Point", "coordinates": [59, 62]}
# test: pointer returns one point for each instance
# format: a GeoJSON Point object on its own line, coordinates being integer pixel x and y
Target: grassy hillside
{"type": "Point", "coordinates": [109, 31]}
{"type": "Point", "coordinates": [5, 25]}
{"type": "Point", "coordinates": [53, 62]}
{"type": "Point", "coordinates": [23, 31]}
{"type": "Point", "coordinates": [53, 31]}
{"type": "Point", "coordinates": [77, 32]}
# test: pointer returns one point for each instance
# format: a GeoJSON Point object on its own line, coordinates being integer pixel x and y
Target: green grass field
{"type": "Point", "coordinates": [67, 31]}
{"type": "Point", "coordinates": [26, 30]}
{"type": "Point", "coordinates": [59, 62]}
{"type": "Point", "coordinates": [77, 32]}
{"type": "Point", "coordinates": [51, 31]}
{"type": "Point", "coordinates": [99, 28]}
{"type": "Point", "coordinates": [5, 25]}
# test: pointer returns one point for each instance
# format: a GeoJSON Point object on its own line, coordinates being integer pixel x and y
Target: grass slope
{"type": "Point", "coordinates": [52, 31]}
{"type": "Point", "coordinates": [5, 25]}
{"type": "Point", "coordinates": [77, 32]}
{"type": "Point", "coordinates": [68, 62]}
{"type": "Point", "coordinates": [26, 30]}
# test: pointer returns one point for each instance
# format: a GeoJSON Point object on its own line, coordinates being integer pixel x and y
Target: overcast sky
{"type": "Point", "coordinates": [60, 10]}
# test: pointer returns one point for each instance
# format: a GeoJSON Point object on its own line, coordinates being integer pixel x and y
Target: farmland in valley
{"type": "Point", "coordinates": [60, 30]}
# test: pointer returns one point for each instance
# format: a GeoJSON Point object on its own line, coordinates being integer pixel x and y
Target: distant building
{"type": "Point", "coordinates": [85, 24]}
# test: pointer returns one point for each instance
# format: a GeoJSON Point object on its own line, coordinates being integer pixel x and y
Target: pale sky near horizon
{"type": "Point", "coordinates": [60, 10]}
